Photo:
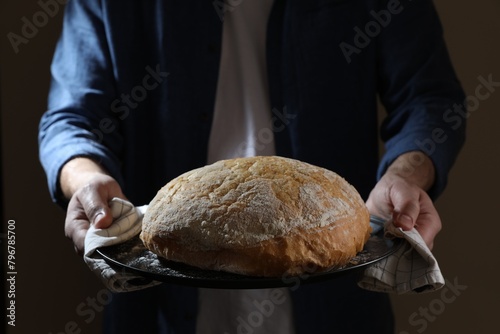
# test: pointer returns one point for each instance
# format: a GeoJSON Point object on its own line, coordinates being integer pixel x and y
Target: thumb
{"type": "Point", "coordinates": [96, 204]}
{"type": "Point", "coordinates": [406, 205]}
{"type": "Point", "coordinates": [103, 217]}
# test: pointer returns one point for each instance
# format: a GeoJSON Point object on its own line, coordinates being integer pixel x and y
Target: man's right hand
{"type": "Point", "coordinates": [89, 189]}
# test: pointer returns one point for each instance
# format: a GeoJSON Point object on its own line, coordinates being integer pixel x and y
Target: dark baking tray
{"type": "Point", "coordinates": [131, 256]}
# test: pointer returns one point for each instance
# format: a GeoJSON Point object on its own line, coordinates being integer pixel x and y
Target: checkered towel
{"type": "Point", "coordinates": [412, 268]}
{"type": "Point", "coordinates": [127, 224]}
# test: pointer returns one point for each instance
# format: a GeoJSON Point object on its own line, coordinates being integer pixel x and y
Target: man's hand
{"type": "Point", "coordinates": [89, 189]}
{"type": "Point", "coordinates": [401, 195]}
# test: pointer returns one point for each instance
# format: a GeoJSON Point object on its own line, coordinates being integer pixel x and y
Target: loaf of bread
{"type": "Point", "coordinates": [259, 216]}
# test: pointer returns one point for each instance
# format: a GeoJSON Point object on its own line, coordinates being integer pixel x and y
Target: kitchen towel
{"type": "Point", "coordinates": [412, 268]}
{"type": "Point", "coordinates": [126, 225]}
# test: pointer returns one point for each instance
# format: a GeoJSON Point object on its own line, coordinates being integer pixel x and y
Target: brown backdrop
{"type": "Point", "coordinates": [54, 289]}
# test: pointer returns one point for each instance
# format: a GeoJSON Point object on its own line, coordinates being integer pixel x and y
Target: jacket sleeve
{"type": "Point", "coordinates": [419, 90]}
{"type": "Point", "coordinates": [78, 121]}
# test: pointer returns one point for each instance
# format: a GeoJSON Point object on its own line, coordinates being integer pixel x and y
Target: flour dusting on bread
{"type": "Point", "coordinates": [288, 212]}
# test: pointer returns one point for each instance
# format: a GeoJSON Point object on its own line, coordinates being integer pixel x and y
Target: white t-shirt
{"type": "Point", "coordinates": [242, 127]}
{"type": "Point", "coordinates": [242, 116]}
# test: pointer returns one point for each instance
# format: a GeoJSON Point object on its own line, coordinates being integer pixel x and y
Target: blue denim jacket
{"type": "Point", "coordinates": [133, 86]}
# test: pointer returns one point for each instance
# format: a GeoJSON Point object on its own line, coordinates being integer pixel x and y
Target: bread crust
{"type": "Point", "coordinates": [260, 216]}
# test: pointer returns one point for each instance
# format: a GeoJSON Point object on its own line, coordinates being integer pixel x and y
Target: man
{"type": "Point", "coordinates": [143, 91]}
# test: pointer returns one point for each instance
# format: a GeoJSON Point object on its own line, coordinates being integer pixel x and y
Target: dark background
{"type": "Point", "coordinates": [53, 282]}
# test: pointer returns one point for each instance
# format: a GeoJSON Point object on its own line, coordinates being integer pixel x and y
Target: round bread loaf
{"type": "Point", "coordinates": [261, 216]}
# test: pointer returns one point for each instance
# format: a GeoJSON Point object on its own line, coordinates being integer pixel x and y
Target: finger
{"type": "Point", "coordinates": [79, 238]}
{"type": "Point", "coordinates": [103, 217]}
{"type": "Point", "coordinates": [89, 205]}
{"type": "Point", "coordinates": [406, 203]}
{"type": "Point", "coordinates": [77, 234]}
{"type": "Point", "coordinates": [379, 202]}
{"type": "Point", "coordinates": [76, 225]}
{"type": "Point", "coordinates": [427, 234]}
{"type": "Point", "coordinates": [95, 201]}
{"type": "Point", "coordinates": [429, 223]}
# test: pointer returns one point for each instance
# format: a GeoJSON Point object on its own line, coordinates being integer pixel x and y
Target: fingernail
{"type": "Point", "coordinates": [98, 217]}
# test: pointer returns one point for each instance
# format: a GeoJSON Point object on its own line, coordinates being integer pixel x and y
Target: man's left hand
{"type": "Point", "coordinates": [402, 197]}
